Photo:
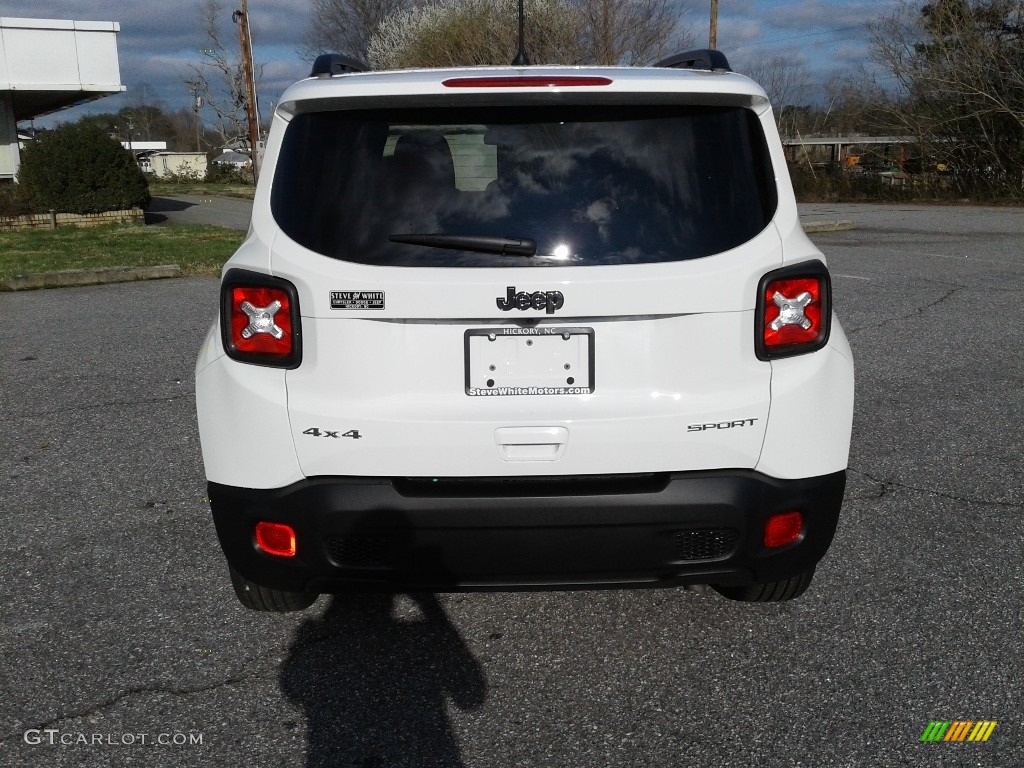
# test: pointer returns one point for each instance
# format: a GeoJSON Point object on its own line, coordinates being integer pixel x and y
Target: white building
{"type": "Point", "coordinates": [51, 64]}
{"type": "Point", "coordinates": [138, 147]}
{"type": "Point", "coordinates": [190, 165]}
{"type": "Point", "coordinates": [236, 160]}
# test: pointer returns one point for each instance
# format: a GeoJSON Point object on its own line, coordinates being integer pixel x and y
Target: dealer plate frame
{"type": "Point", "coordinates": [525, 333]}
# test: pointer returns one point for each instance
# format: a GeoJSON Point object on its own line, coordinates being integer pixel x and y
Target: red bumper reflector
{"type": "Point", "coordinates": [525, 81]}
{"type": "Point", "coordinates": [276, 539]}
{"type": "Point", "coordinates": [783, 529]}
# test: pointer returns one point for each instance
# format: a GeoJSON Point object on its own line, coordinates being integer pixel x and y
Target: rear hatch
{"type": "Point", "coordinates": [525, 289]}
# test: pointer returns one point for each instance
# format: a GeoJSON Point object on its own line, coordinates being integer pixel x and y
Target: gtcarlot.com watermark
{"type": "Point", "coordinates": [55, 737]}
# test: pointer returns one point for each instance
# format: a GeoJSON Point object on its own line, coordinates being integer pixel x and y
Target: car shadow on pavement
{"type": "Point", "coordinates": [374, 674]}
{"type": "Point", "coordinates": [160, 206]}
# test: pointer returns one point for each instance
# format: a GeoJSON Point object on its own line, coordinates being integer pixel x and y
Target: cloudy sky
{"type": "Point", "coordinates": [160, 38]}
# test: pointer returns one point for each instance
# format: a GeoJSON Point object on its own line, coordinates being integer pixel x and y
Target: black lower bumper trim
{"type": "Point", "coordinates": [455, 534]}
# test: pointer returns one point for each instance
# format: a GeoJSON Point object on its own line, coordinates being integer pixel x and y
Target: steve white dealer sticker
{"type": "Point", "coordinates": [357, 299]}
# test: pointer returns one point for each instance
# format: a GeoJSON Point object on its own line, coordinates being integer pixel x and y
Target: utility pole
{"type": "Point", "coordinates": [713, 29]}
{"type": "Point", "coordinates": [241, 17]}
{"type": "Point", "coordinates": [131, 127]}
{"type": "Point", "coordinates": [197, 104]}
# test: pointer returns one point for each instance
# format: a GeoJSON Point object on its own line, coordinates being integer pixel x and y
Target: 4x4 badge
{"type": "Point", "coordinates": [549, 301]}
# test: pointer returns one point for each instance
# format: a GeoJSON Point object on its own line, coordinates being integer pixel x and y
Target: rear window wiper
{"type": "Point", "coordinates": [503, 246]}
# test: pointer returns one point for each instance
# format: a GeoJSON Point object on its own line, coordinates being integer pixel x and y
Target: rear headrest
{"type": "Point", "coordinates": [424, 156]}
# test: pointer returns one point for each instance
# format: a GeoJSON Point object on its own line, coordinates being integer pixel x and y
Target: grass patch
{"type": "Point", "coordinates": [164, 189]}
{"type": "Point", "coordinates": [198, 250]}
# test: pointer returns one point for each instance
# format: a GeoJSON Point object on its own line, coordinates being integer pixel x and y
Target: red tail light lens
{"type": "Point", "coordinates": [793, 311]}
{"type": "Point", "coordinates": [260, 319]}
{"type": "Point", "coordinates": [780, 530]}
{"type": "Point", "coordinates": [276, 539]}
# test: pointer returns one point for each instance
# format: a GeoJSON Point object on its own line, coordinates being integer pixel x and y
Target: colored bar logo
{"type": "Point", "coordinates": [959, 730]}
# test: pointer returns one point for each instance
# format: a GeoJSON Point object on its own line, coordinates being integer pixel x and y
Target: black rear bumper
{"type": "Point", "coordinates": [452, 534]}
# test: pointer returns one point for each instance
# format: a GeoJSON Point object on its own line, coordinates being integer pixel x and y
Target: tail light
{"type": "Point", "coordinates": [794, 311]}
{"type": "Point", "coordinates": [259, 319]}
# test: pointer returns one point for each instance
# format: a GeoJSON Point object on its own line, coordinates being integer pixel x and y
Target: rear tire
{"type": "Point", "coordinates": [771, 592]}
{"type": "Point", "coordinates": [260, 598]}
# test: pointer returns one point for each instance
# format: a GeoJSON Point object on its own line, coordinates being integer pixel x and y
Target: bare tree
{"type": "Point", "coordinates": [346, 26]}
{"type": "Point", "coordinates": [787, 84]}
{"type": "Point", "coordinates": [147, 111]}
{"type": "Point", "coordinates": [636, 32]}
{"type": "Point", "coordinates": [220, 79]}
{"type": "Point", "coordinates": [853, 101]}
{"type": "Point", "coordinates": [184, 128]}
{"type": "Point", "coordinates": [474, 32]}
{"type": "Point", "coordinates": [959, 69]}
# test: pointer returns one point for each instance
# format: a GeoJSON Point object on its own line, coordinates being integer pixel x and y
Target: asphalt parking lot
{"type": "Point", "coordinates": [231, 212]}
{"type": "Point", "coordinates": [119, 629]}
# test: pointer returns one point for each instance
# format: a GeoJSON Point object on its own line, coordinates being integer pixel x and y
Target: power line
{"type": "Point", "coordinates": [816, 34]}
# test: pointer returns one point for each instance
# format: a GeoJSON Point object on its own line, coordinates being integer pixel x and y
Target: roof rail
{"type": "Point", "coordinates": [701, 58]}
{"type": "Point", "coordinates": [329, 64]}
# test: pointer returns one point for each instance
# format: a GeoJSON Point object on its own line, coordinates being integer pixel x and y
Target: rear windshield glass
{"type": "Point", "coordinates": [573, 184]}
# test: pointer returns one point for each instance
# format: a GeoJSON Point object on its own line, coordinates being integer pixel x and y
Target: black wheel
{"type": "Point", "coordinates": [772, 592]}
{"type": "Point", "coordinates": [259, 598]}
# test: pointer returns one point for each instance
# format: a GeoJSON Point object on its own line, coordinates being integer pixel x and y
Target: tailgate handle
{"type": "Point", "coordinates": [531, 443]}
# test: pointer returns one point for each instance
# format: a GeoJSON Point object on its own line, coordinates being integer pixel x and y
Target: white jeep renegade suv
{"type": "Point", "coordinates": [524, 327]}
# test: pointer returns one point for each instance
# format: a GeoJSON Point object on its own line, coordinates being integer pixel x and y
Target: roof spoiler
{"type": "Point", "coordinates": [330, 64]}
{"type": "Point", "coordinates": [701, 58]}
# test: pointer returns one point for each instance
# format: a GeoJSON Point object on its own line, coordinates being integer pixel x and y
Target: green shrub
{"type": "Point", "coordinates": [221, 173]}
{"type": "Point", "coordinates": [185, 175]}
{"type": "Point", "coordinates": [13, 201]}
{"type": "Point", "coordinates": [77, 168]}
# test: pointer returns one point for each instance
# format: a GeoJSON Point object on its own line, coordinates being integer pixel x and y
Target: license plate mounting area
{"type": "Point", "coordinates": [539, 360]}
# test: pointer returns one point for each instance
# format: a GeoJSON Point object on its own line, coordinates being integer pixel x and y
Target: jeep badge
{"type": "Point", "coordinates": [549, 301]}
